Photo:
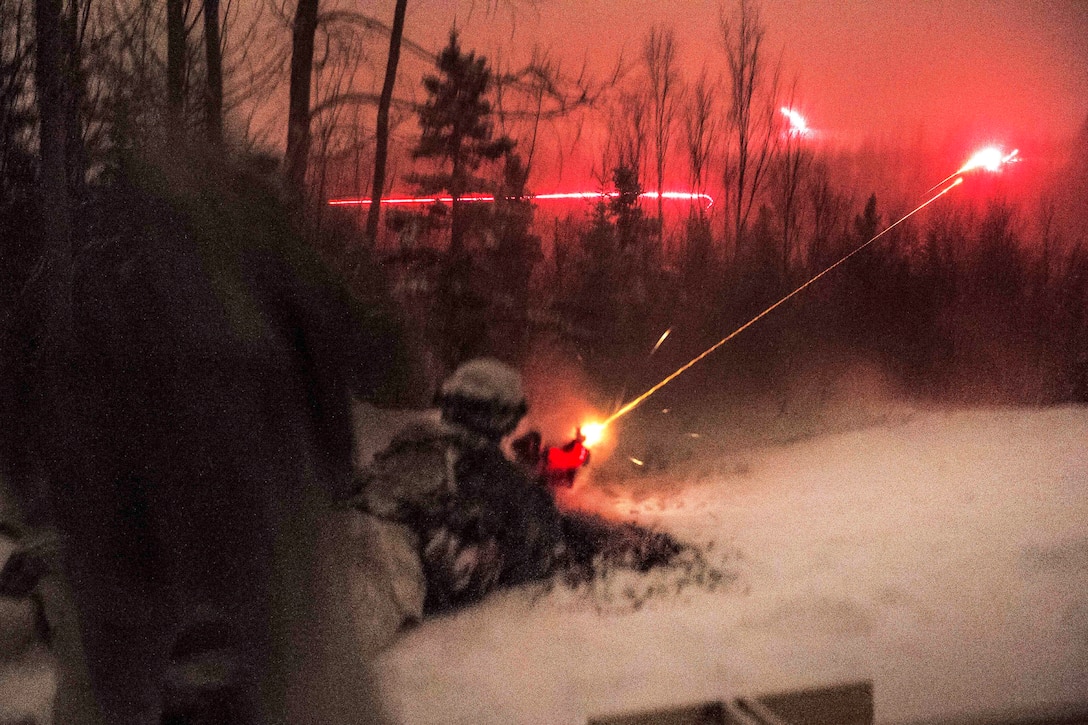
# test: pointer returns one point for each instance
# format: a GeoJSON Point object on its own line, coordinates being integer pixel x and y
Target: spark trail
{"type": "Point", "coordinates": [661, 340]}
{"type": "Point", "coordinates": [598, 428]}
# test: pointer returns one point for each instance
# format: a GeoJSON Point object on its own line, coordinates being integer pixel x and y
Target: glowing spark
{"type": "Point", "coordinates": [991, 158]}
{"type": "Point", "coordinates": [706, 199]}
{"type": "Point", "coordinates": [798, 124]}
{"type": "Point", "coordinates": [637, 462]}
{"type": "Point", "coordinates": [661, 340]}
{"type": "Point", "coordinates": [628, 407]}
{"type": "Point", "coordinates": [592, 433]}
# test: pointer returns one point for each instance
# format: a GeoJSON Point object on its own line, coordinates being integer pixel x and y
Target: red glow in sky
{"type": "Point", "coordinates": [923, 79]}
{"type": "Point", "coordinates": [943, 75]}
{"type": "Point", "coordinates": [866, 68]}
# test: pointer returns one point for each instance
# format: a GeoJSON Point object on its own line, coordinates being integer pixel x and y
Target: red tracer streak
{"type": "Point", "coordinates": [706, 199]}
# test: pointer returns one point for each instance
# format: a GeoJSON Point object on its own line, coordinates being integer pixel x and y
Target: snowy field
{"type": "Point", "coordinates": [941, 555]}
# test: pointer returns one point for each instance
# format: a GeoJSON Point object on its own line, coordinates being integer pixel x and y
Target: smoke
{"type": "Point", "coordinates": [561, 395]}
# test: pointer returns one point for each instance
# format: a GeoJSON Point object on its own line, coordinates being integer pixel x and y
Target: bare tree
{"type": "Point", "coordinates": [298, 111]}
{"type": "Point", "coordinates": [336, 133]}
{"type": "Point", "coordinates": [751, 124]}
{"type": "Point", "coordinates": [700, 130]}
{"type": "Point", "coordinates": [381, 129]}
{"type": "Point", "coordinates": [542, 93]}
{"type": "Point", "coordinates": [659, 55]}
{"type": "Point", "coordinates": [629, 126]}
{"type": "Point", "coordinates": [16, 113]}
{"type": "Point", "coordinates": [792, 165]}
{"type": "Point", "coordinates": [829, 214]}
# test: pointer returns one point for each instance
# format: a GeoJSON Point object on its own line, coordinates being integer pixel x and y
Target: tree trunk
{"type": "Point", "coordinates": [75, 153]}
{"type": "Point", "coordinates": [214, 58]}
{"type": "Point", "coordinates": [298, 111]}
{"type": "Point", "coordinates": [54, 286]}
{"type": "Point", "coordinates": [381, 147]}
{"type": "Point", "coordinates": [175, 67]}
{"type": "Point", "coordinates": [46, 363]}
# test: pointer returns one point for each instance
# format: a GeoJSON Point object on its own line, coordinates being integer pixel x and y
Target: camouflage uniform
{"type": "Point", "coordinates": [446, 518]}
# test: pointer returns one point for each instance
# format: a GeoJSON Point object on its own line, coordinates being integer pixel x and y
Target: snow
{"type": "Point", "coordinates": [941, 555]}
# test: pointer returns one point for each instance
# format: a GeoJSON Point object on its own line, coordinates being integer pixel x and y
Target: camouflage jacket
{"type": "Point", "coordinates": [477, 519]}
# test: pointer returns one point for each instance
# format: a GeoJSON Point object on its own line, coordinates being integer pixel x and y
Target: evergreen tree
{"type": "Point", "coordinates": [457, 136]}
{"type": "Point", "coordinates": [624, 206]}
{"type": "Point", "coordinates": [457, 132]}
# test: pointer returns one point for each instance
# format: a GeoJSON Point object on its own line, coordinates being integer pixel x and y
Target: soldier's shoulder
{"type": "Point", "coordinates": [424, 432]}
{"type": "Point", "coordinates": [409, 474]}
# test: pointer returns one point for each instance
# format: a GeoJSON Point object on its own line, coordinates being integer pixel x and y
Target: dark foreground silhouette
{"type": "Point", "coordinates": [210, 398]}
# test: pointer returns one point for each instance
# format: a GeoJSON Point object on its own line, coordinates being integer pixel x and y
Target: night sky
{"type": "Point", "coordinates": [975, 69]}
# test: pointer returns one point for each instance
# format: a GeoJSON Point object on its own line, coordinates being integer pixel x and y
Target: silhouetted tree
{"type": "Point", "coordinates": [17, 115]}
{"type": "Point", "coordinates": [659, 55]}
{"type": "Point", "coordinates": [52, 286]}
{"type": "Point", "coordinates": [176, 54]}
{"type": "Point", "coordinates": [624, 207]}
{"type": "Point", "coordinates": [298, 109]}
{"type": "Point", "coordinates": [866, 223]}
{"type": "Point", "coordinates": [511, 260]}
{"type": "Point", "coordinates": [829, 217]}
{"type": "Point", "coordinates": [457, 131]}
{"type": "Point", "coordinates": [381, 129]}
{"type": "Point", "coordinates": [213, 55]}
{"type": "Point", "coordinates": [628, 133]}
{"type": "Point", "coordinates": [751, 115]}
{"type": "Point", "coordinates": [700, 133]}
{"type": "Point", "coordinates": [790, 168]}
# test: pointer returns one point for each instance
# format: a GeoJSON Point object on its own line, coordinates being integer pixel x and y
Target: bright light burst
{"type": "Point", "coordinates": [991, 158]}
{"type": "Point", "coordinates": [592, 433]}
{"type": "Point", "coordinates": [798, 124]}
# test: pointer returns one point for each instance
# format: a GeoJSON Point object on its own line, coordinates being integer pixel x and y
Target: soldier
{"type": "Point", "coordinates": [446, 517]}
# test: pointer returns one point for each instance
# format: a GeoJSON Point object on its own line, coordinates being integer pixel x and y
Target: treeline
{"type": "Point", "coordinates": [981, 296]}
{"type": "Point", "coordinates": [968, 302]}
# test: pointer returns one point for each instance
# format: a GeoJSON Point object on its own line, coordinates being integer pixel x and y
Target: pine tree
{"type": "Point", "coordinates": [457, 132]}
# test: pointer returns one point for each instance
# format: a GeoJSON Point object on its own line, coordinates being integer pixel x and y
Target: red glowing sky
{"type": "Point", "coordinates": [866, 68]}
{"type": "Point", "coordinates": [932, 79]}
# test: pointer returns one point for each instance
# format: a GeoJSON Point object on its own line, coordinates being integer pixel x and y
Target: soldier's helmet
{"type": "Point", "coordinates": [484, 396]}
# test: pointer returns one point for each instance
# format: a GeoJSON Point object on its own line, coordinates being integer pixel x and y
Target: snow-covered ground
{"type": "Point", "coordinates": [941, 555]}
